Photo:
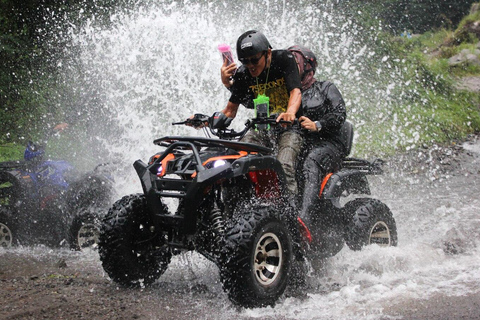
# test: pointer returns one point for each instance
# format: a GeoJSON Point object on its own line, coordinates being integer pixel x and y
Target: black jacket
{"type": "Point", "coordinates": [323, 102]}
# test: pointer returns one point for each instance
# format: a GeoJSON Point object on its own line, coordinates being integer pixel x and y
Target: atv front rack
{"type": "Point", "coordinates": [365, 166]}
{"type": "Point", "coordinates": [201, 142]}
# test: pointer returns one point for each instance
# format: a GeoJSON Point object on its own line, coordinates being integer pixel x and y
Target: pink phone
{"type": "Point", "coordinates": [226, 53]}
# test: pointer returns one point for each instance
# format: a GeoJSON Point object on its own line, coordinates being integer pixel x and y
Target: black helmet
{"type": "Point", "coordinates": [250, 43]}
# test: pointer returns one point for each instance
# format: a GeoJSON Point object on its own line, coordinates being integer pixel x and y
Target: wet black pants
{"type": "Point", "coordinates": [322, 159]}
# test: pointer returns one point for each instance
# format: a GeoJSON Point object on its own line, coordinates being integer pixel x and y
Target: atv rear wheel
{"type": "Point", "coordinates": [10, 191]}
{"type": "Point", "coordinates": [369, 222]}
{"type": "Point", "coordinates": [129, 249]}
{"type": "Point", "coordinates": [257, 257]}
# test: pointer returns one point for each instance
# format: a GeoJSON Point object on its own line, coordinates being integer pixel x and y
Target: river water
{"type": "Point", "coordinates": [160, 64]}
{"type": "Point", "coordinates": [437, 261]}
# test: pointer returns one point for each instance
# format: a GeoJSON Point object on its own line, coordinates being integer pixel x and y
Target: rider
{"type": "Point", "coordinates": [274, 74]}
{"type": "Point", "coordinates": [324, 113]}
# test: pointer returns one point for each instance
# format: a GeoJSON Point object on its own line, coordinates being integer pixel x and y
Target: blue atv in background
{"type": "Point", "coordinates": [49, 202]}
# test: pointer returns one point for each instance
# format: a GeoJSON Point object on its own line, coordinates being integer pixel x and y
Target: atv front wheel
{"type": "Point", "coordinates": [130, 252]}
{"type": "Point", "coordinates": [8, 236]}
{"type": "Point", "coordinates": [369, 222]}
{"type": "Point", "coordinates": [84, 231]}
{"type": "Point", "coordinates": [258, 257]}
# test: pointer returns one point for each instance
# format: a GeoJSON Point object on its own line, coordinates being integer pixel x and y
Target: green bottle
{"type": "Point", "coordinates": [262, 110]}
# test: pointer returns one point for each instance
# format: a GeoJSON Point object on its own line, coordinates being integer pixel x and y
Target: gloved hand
{"type": "Point", "coordinates": [219, 120]}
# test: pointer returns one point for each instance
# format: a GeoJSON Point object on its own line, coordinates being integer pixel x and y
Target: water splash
{"type": "Point", "coordinates": [159, 63]}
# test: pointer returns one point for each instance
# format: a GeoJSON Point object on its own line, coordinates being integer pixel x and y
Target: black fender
{"type": "Point", "coordinates": [346, 182]}
{"type": "Point", "coordinates": [193, 191]}
{"type": "Point", "coordinates": [16, 177]}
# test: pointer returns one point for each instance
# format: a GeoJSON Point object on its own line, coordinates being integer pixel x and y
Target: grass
{"type": "Point", "coordinates": [429, 109]}
{"type": "Point", "coordinates": [11, 151]}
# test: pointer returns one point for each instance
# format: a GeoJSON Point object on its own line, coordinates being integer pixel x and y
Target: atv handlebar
{"type": "Point", "coordinates": [201, 121]}
{"type": "Point", "coordinates": [198, 120]}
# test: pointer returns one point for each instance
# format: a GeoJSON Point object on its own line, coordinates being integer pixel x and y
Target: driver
{"type": "Point", "coordinates": [271, 75]}
{"type": "Point", "coordinates": [324, 113]}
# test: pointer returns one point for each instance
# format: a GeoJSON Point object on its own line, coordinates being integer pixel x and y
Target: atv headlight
{"type": "Point", "coordinates": [159, 171]}
{"type": "Point", "coordinates": [219, 163]}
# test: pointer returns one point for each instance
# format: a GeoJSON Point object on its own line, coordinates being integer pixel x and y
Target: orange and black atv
{"type": "Point", "coordinates": [226, 200]}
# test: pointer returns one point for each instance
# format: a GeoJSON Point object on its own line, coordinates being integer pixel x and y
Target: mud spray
{"type": "Point", "coordinates": [159, 63]}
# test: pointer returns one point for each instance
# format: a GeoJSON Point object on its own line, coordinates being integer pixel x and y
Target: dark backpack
{"type": "Point", "coordinates": [306, 60]}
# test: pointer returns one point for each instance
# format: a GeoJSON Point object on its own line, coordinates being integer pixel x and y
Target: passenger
{"type": "Point", "coordinates": [324, 114]}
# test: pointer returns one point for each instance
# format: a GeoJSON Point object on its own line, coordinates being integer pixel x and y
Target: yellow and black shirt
{"type": "Point", "coordinates": [275, 83]}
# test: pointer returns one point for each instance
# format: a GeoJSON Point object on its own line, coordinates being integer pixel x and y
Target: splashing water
{"type": "Point", "coordinates": [159, 64]}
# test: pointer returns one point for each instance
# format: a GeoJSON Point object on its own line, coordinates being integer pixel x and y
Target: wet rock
{"type": "Point", "coordinates": [62, 264]}
{"type": "Point", "coordinates": [475, 8]}
{"type": "Point", "coordinates": [474, 28]}
{"type": "Point", "coordinates": [456, 242]}
{"type": "Point", "coordinates": [469, 83]}
{"type": "Point", "coordinates": [465, 57]}
{"type": "Point", "coordinates": [451, 248]}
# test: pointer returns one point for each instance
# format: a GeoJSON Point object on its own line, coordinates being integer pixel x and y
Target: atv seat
{"type": "Point", "coordinates": [346, 136]}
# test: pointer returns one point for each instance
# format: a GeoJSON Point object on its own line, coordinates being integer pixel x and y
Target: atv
{"type": "Point", "coordinates": [49, 202]}
{"type": "Point", "coordinates": [226, 200]}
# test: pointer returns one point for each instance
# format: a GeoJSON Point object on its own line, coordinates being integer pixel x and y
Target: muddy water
{"type": "Point", "coordinates": [434, 272]}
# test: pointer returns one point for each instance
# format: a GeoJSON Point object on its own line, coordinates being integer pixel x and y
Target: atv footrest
{"type": "Point", "coordinates": [363, 165]}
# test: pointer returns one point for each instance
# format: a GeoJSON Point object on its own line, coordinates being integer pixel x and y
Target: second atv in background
{"type": "Point", "coordinates": [49, 202]}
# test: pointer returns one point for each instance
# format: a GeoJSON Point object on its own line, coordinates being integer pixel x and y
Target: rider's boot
{"type": "Point", "coordinates": [309, 204]}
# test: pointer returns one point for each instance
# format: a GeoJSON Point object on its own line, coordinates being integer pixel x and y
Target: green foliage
{"type": "Point", "coordinates": [29, 87]}
{"type": "Point", "coordinates": [462, 34]}
{"type": "Point", "coordinates": [428, 109]}
{"type": "Point", "coordinates": [11, 151]}
{"type": "Point", "coordinates": [431, 120]}
{"type": "Point", "coordinates": [469, 19]}
{"type": "Point", "coordinates": [416, 16]}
